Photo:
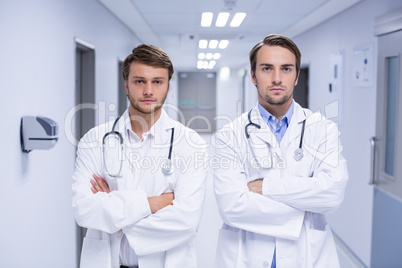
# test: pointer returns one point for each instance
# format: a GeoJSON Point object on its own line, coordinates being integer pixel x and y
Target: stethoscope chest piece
{"type": "Point", "coordinates": [167, 167]}
{"type": "Point", "coordinates": [298, 154]}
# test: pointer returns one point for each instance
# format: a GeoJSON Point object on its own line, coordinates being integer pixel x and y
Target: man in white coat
{"type": "Point", "coordinates": [281, 170]}
{"type": "Point", "coordinates": [139, 186]}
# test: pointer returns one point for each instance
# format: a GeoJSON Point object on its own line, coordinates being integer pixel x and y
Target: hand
{"type": "Point", "coordinates": [158, 202]}
{"type": "Point", "coordinates": [255, 186]}
{"type": "Point", "coordinates": [99, 185]}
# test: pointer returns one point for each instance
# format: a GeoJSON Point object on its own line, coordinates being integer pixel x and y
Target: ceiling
{"type": "Point", "coordinates": [174, 25]}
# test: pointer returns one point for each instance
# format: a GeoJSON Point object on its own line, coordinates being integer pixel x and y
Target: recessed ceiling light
{"type": "Point", "coordinates": [222, 19]}
{"type": "Point", "coordinates": [213, 44]}
{"type": "Point", "coordinates": [203, 43]}
{"type": "Point", "coordinates": [208, 56]}
{"type": "Point", "coordinates": [223, 44]}
{"type": "Point", "coordinates": [216, 56]}
{"type": "Point", "coordinates": [206, 19]}
{"type": "Point", "coordinates": [237, 19]}
{"type": "Point", "coordinates": [201, 56]}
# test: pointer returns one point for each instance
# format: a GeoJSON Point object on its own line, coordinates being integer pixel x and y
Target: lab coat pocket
{"type": "Point", "coordinates": [322, 248]}
{"type": "Point", "coordinates": [227, 248]}
{"type": "Point", "coordinates": [95, 253]}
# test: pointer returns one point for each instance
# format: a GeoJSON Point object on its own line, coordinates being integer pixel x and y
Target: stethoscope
{"type": "Point", "coordinates": [298, 154]}
{"type": "Point", "coordinates": [167, 167]}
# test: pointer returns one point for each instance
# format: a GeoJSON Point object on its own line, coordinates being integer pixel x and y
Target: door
{"type": "Point", "coordinates": [300, 92]}
{"type": "Point", "coordinates": [197, 100]}
{"type": "Point", "coordinates": [387, 155]}
{"type": "Point", "coordinates": [121, 91]}
{"type": "Point", "coordinates": [84, 98]}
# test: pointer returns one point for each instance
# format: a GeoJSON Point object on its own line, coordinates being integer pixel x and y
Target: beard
{"type": "Point", "coordinates": [136, 105]}
{"type": "Point", "coordinates": [278, 102]}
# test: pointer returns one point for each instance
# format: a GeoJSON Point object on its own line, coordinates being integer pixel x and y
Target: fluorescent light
{"type": "Point", "coordinates": [213, 44]}
{"type": "Point", "coordinates": [200, 64]}
{"type": "Point", "coordinates": [222, 19]}
{"type": "Point", "coordinates": [208, 56]}
{"type": "Point", "coordinates": [216, 56]}
{"type": "Point", "coordinates": [211, 64]}
{"type": "Point", "coordinates": [206, 19]}
{"type": "Point", "coordinates": [223, 44]}
{"type": "Point", "coordinates": [201, 56]}
{"type": "Point", "coordinates": [203, 43]}
{"type": "Point", "coordinates": [205, 64]}
{"type": "Point", "coordinates": [237, 19]}
{"type": "Point", "coordinates": [224, 73]}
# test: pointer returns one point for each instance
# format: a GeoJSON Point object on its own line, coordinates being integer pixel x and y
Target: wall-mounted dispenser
{"type": "Point", "coordinates": [38, 133]}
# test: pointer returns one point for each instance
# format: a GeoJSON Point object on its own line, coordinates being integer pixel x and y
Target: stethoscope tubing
{"type": "Point", "coordinates": [298, 151]}
{"type": "Point", "coordinates": [167, 168]}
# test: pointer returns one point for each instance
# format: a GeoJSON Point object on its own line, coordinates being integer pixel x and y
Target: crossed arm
{"type": "Point", "coordinates": [155, 202]}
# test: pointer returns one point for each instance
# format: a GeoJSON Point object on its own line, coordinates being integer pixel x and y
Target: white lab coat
{"type": "Point", "coordinates": [296, 194]}
{"type": "Point", "coordinates": [164, 239]}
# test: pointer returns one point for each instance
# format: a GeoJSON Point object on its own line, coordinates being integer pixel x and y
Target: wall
{"type": "Point", "coordinates": [37, 67]}
{"type": "Point", "coordinates": [353, 222]}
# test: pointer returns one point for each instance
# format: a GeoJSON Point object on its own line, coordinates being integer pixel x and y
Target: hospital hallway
{"type": "Point", "coordinates": [61, 75]}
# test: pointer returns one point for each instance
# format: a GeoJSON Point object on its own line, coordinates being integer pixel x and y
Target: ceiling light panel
{"type": "Point", "coordinates": [238, 19]}
{"type": "Point", "coordinates": [206, 19]}
{"type": "Point", "coordinates": [213, 44]}
{"type": "Point", "coordinates": [222, 19]}
{"type": "Point", "coordinates": [223, 44]}
{"type": "Point", "coordinates": [203, 43]}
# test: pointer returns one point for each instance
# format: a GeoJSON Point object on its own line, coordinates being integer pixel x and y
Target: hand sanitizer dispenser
{"type": "Point", "coordinates": [38, 133]}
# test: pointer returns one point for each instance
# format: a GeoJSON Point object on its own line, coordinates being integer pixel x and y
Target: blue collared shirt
{"type": "Point", "coordinates": [278, 128]}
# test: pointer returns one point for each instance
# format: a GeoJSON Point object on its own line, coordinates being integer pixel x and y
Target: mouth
{"type": "Point", "coordinates": [148, 101]}
{"type": "Point", "coordinates": [276, 89]}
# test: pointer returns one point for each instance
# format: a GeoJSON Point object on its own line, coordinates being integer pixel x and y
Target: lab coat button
{"type": "Point", "coordinates": [265, 264]}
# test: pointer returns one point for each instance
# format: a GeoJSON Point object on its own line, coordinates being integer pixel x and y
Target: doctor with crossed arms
{"type": "Point", "coordinates": [282, 171]}
{"type": "Point", "coordinates": [140, 216]}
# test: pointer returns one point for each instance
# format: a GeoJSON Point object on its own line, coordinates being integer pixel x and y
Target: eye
{"type": "Point", "coordinates": [158, 82]}
{"type": "Point", "coordinates": [287, 69]}
{"type": "Point", "coordinates": [266, 69]}
{"type": "Point", "coordinates": [138, 82]}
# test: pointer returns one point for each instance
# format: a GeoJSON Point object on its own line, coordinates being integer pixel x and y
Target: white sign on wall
{"type": "Point", "coordinates": [363, 65]}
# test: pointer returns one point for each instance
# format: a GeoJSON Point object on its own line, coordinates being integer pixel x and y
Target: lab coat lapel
{"type": "Point", "coordinates": [263, 134]}
{"type": "Point", "coordinates": [295, 127]}
{"type": "Point", "coordinates": [162, 130]}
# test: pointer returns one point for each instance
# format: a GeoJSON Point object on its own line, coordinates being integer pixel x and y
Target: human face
{"type": "Point", "coordinates": [146, 88]}
{"type": "Point", "coordinates": [275, 77]}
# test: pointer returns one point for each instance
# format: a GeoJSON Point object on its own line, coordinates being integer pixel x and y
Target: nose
{"type": "Point", "coordinates": [276, 77]}
{"type": "Point", "coordinates": [148, 89]}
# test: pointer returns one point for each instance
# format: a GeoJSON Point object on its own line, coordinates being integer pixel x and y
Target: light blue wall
{"type": "Point", "coordinates": [37, 69]}
{"type": "Point", "coordinates": [387, 216]}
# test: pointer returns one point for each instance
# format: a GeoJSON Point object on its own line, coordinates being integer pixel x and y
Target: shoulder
{"type": "Point", "coordinates": [187, 138]}
{"type": "Point", "coordinates": [94, 136]}
{"type": "Point", "coordinates": [318, 124]}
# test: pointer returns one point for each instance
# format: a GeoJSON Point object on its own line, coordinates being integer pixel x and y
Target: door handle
{"type": "Point", "coordinates": [372, 168]}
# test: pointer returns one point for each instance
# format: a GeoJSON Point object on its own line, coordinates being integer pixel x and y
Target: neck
{"type": "Point", "coordinates": [142, 123]}
{"type": "Point", "coordinates": [277, 110]}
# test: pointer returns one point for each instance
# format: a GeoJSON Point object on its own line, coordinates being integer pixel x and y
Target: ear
{"type": "Point", "coordinates": [297, 78]}
{"type": "Point", "coordinates": [126, 86]}
{"type": "Point", "coordinates": [253, 78]}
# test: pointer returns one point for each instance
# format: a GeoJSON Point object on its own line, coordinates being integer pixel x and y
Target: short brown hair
{"type": "Point", "coordinates": [275, 40]}
{"type": "Point", "coordinates": [149, 55]}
